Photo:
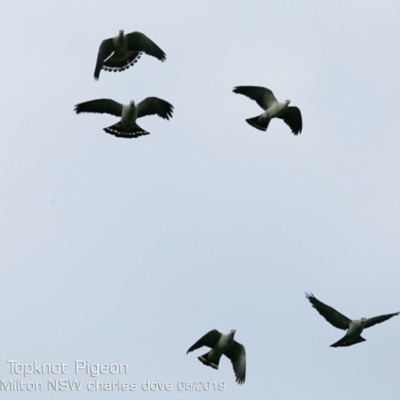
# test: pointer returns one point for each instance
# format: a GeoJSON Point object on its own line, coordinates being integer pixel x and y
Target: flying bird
{"type": "Point", "coordinates": [354, 327]}
{"type": "Point", "coordinates": [127, 127]}
{"type": "Point", "coordinates": [223, 344]}
{"type": "Point", "coordinates": [122, 51]}
{"type": "Point", "coordinates": [273, 109]}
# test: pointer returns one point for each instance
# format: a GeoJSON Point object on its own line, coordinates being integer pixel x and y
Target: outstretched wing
{"type": "Point", "coordinates": [334, 317]}
{"type": "Point", "coordinates": [154, 105]}
{"type": "Point", "coordinates": [263, 96]}
{"type": "Point", "coordinates": [137, 41]}
{"type": "Point", "coordinates": [210, 339]}
{"type": "Point", "coordinates": [105, 50]}
{"type": "Point", "coordinates": [237, 354]}
{"type": "Point", "coordinates": [101, 106]}
{"type": "Point", "coordinates": [292, 117]}
{"type": "Point", "coordinates": [377, 320]}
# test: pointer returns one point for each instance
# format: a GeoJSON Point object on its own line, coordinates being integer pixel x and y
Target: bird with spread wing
{"type": "Point", "coordinates": [273, 109]}
{"type": "Point", "coordinates": [122, 51]}
{"type": "Point", "coordinates": [127, 126]}
{"type": "Point", "coordinates": [223, 345]}
{"type": "Point", "coordinates": [354, 327]}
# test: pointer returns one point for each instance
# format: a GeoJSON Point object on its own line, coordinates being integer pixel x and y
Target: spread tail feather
{"type": "Point", "coordinates": [344, 341]}
{"type": "Point", "coordinates": [115, 63]}
{"type": "Point", "coordinates": [262, 125]}
{"type": "Point", "coordinates": [205, 361]}
{"type": "Point", "coordinates": [130, 132]}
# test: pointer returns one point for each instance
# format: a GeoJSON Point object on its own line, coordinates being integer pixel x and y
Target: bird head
{"type": "Point", "coordinates": [132, 103]}
{"type": "Point", "coordinates": [287, 102]}
{"type": "Point", "coordinates": [233, 331]}
{"type": "Point", "coordinates": [121, 32]}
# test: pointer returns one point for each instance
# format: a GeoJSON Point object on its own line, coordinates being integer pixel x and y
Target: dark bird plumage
{"type": "Point", "coordinates": [273, 109]}
{"type": "Point", "coordinates": [223, 345]}
{"type": "Point", "coordinates": [354, 327]}
{"type": "Point", "coordinates": [121, 52]}
{"type": "Point", "coordinates": [127, 126]}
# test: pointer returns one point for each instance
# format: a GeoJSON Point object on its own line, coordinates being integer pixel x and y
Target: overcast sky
{"type": "Point", "coordinates": [126, 251]}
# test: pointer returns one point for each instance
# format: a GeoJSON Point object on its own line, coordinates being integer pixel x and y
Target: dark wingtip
{"type": "Point", "coordinates": [239, 90]}
{"type": "Point", "coordinates": [160, 56]}
{"type": "Point", "coordinates": [190, 349]}
{"type": "Point", "coordinates": [170, 112]}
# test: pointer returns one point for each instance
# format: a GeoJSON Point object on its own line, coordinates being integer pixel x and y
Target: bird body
{"type": "Point", "coordinates": [120, 44]}
{"type": "Point", "coordinates": [273, 109]}
{"type": "Point", "coordinates": [128, 123]}
{"type": "Point", "coordinates": [262, 121]}
{"type": "Point", "coordinates": [212, 357]}
{"type": "Point", "coordinates": [122, 51]}
{"type": "Point", "coordinates": [353, 334]}
{"type": "Point", "coordinates": [129, 113]}
{"type": "Point", "coordinates": [354, 327]}
{"type": "Point", "coordinates": [223, 345]}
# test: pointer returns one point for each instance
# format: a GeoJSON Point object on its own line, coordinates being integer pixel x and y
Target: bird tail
{"type": "Point", "coordinates": [132, 131]}
{"type": "Point", "coordinates": [204, 359]}
{"type": "Point", "coordinates": [258, 123]}
{"type": "Point", "coordinates": [344, 341]}
{"type": "Point", "coordinates": [115, 63]}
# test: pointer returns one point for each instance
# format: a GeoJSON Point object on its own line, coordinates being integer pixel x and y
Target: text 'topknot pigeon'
{"type": "Point", "coordinates": [354, 327]}
{"type": "Point", "coordinates": [127, 126]}
{"type": "Point", "coordinates": [223, 345]}
{"type": "Point", "coordinates": [273, 109]}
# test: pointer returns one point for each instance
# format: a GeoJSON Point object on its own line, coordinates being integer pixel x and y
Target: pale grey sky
{"type": "Point", "coordinates": [120, 251]}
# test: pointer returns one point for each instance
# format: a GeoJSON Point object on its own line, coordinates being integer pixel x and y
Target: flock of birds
{"type": "Point", "coordinates": [226, 345]}
{"type": "Point", "coordinates": [123, 51]}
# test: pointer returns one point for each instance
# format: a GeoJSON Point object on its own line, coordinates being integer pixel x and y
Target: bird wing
{"type": "Point", "coordinates": [137, 41]}
{"type": "Point", "coordinates": [100, 106]}
{"type": "Point", "coordinates": [210, 339]}
{"type": "Point", "coordinates": [237, 354]}
{"type": "Point", "coordinates": [105, 50]}
{"type": "Point", "coordinates": [154, 105]}
{"type": "Point", "coordinates": [334, 317]}
{"type": "Point", "coordinates": [377, 320]}
{"type": "Point", "coordinates": [263, 96]}
{"type": "Point", "coordinates": [292, 117]}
